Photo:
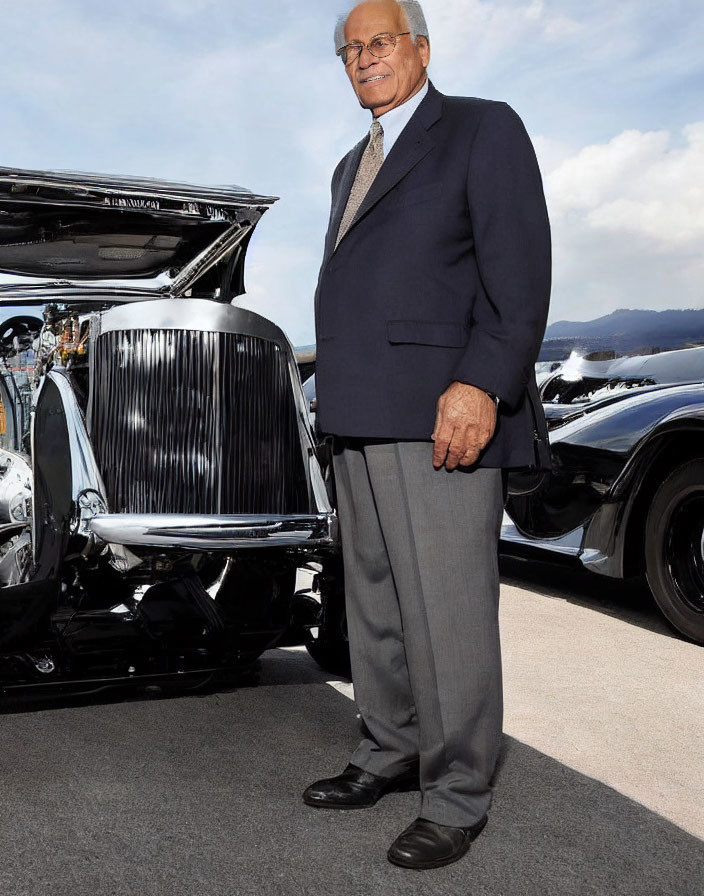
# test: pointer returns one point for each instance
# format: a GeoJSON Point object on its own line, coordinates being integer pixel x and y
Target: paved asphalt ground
{"type": "Point", "coordinates": [599, 791]}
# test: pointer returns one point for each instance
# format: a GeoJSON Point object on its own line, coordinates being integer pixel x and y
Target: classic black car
{"type": "Point", "coordinates": [160, 485]}
{"type": "Point", "coordinates": [626, 492]}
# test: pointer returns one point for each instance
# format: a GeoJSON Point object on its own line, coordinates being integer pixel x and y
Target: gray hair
{"type": "Point", "coordinates": [415, 19]}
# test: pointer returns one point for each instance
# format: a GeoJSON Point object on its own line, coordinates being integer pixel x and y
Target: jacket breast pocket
{"type": "Point", "coordinates": [426, 332]}
{"type": "Point", "coordinates": [416, 195]}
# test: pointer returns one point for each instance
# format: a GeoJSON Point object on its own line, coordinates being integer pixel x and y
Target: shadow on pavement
{"type": "Point", "coordinates": [289, 666]}
{"type": "Point", "coordinates": [626, 599]}
{"type": "Point", "coordinates": [201, 795]}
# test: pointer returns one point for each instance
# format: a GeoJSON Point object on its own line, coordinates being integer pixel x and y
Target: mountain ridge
{"type": "Point", "coordinates": [625, 331]}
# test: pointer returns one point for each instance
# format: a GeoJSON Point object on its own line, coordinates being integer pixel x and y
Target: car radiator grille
{"type": "Point", "coordinates": [195, 422]}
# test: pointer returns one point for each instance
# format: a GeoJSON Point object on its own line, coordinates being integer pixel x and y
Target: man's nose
{"type": "Point", "coordinates": [366, 58]}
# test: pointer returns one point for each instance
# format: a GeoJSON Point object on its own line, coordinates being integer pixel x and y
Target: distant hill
{"type": "Point", "coordinates": [626, 332]}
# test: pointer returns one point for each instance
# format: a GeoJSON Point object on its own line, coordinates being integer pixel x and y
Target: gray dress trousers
{"type": "Point", "coordinates": [422, 588]}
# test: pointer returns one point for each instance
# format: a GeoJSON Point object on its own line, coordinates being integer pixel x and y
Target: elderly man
{"type": "Point", "coordinates": [430, 310]}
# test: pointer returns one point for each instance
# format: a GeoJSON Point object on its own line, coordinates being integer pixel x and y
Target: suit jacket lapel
{"type": "Point", "coordinates": [341, 195]}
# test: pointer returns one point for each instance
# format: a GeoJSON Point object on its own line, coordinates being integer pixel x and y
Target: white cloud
{"type": "Point", "coordinates": [628, 223]}
{"type": "Point", "coordinates": [637, 183]}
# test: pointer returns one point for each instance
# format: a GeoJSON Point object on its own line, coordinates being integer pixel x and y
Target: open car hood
{"type": "Point", "coordinates": [88, 233]}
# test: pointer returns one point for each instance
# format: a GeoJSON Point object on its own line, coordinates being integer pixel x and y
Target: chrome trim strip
{"type": "Point", "coordinates": [27, 292]}
{"type": "Point", "coordinates": [215, 533]}
{"type": "Point", "coordinates": [569, 544]}
{"type": "Point", "coordinates": [93, 187]}
{"type": "Point", "coordinates": [305, 432]}
{"type": "Point", "coordinates": [198, 315]}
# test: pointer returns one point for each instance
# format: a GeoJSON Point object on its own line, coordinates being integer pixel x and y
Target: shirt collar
{"type": "Point", "coordinates": [396, 119]}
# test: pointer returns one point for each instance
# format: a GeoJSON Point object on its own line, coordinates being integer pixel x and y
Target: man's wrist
{"type": "Point", "coordinates": [492, 395]}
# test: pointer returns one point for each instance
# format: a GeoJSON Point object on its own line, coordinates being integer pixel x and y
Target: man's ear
{"type": "Point", "coordinates": [423, 45]}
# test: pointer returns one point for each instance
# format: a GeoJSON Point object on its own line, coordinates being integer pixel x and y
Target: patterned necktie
{"type": "Point", "coordinates": [369, 166]}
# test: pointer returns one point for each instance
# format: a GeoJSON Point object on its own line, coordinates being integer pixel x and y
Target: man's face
{"type": "Point", "coordinates": [382, 84]}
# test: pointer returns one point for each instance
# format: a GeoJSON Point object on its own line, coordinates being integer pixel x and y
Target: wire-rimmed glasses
{"type": "Point", "coordinates": [381, 45]}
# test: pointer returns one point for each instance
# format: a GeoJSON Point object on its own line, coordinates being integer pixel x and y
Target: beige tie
{"type": "Point", "coordinates": [369, 166]}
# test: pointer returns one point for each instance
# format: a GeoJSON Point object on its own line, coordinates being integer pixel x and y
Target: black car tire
{"type": "Point", "coordinates": [674, 549]}
{"type": "Point", "coordinates": [331, 648]}
{"type": "Point", "coordinates": [332, 656]}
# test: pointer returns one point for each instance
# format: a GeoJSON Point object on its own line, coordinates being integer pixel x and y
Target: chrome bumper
{"type": "Point", "coordinates": [215, 533]}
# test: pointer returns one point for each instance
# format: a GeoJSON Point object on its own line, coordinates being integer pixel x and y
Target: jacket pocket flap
{"type": "Point", "coordinates": [427, 332]}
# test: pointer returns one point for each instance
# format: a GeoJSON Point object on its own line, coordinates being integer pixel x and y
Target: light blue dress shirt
{"type": "Point", "coordinates": [395, 120]}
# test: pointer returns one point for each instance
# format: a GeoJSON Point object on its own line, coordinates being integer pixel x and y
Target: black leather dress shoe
{"type": "Point", "coordinates": [426, 844]}
{"type": "Point", "coordinates": [356, 789]}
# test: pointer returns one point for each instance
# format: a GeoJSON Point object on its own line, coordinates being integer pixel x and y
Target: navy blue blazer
{"type": "Point", "coordinates": [443, 275]}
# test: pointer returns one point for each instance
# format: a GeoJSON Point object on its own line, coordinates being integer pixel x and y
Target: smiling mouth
{"type": "Point", "coordinates": [372, 79]}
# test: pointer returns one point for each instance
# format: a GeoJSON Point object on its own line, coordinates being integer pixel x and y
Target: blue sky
{"type": "Point", "coordinates": [210, 91]}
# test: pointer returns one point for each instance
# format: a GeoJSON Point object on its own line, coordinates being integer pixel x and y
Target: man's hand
{"type": "Point", "coordinates": [464, 424]}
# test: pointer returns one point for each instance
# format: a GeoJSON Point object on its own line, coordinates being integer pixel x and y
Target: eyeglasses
{"type": "Point", "coordinates": [379, 46]}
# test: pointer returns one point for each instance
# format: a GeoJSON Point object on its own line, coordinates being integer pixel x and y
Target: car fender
{"type": "Point", "coordinates": [597, 457]}
{"type": "Point", "coordinates": [656, 453]}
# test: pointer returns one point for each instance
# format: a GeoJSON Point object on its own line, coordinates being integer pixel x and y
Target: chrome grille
{"type": "Point", "coordinates": [195, 422]}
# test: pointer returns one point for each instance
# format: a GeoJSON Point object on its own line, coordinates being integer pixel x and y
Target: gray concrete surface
{"type": "Point", "coordinates": [596, 679]}
{"type": "Point", "coordinates": [598, 792]}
